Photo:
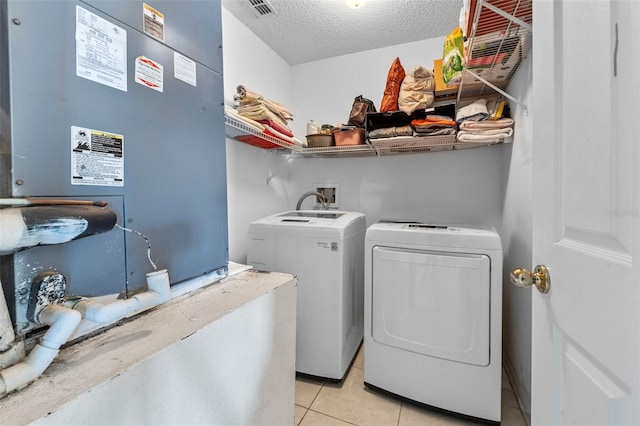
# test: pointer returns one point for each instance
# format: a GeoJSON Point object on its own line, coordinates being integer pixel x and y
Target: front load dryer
{"type": "Point", "coordinates": [433, 315]}
{"type": "Point", "coordinates": [325, 250]}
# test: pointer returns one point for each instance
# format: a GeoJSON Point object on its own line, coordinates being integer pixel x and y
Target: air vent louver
{"type": "Point", "coordinates": [263, 7]}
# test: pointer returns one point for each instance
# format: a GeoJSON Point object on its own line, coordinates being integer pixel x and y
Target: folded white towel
{"type": "Point", "coordinates": [494, 135]}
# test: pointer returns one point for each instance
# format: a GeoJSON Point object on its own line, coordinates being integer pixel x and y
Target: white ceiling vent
{"type": "Point", "coordinates": [263, 7]}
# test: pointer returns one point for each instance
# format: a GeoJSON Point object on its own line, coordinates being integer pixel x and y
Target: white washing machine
{"type": "Point", "coordinates": [433, 315]}
{"type": "Point", "coordinates": [325, 250]}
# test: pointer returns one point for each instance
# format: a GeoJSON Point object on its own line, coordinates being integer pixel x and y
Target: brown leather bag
{"type": "Point", "coordinates": [361, 106]}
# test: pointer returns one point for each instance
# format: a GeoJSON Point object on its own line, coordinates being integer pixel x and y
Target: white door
{"type": "Point", "coordinates": [586, 330]}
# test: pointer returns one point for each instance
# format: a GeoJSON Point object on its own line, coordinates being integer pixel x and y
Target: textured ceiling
{"type": "Point", "coordinates": [308, 30]}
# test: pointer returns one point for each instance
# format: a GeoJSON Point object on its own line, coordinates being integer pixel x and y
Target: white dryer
{"type": "Point", "coordinates": [325, 250]}
{"type": "Point", "coordinates": [433, 315]}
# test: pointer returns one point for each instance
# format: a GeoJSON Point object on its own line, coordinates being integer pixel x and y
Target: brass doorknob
{"type": "Point", "coordinates": [520, 277]}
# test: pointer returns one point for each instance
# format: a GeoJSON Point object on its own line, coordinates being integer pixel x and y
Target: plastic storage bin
{"type": "Point", "coordinates": [319, 141]}
{"type": "Point", "coordinates": [349, 136]}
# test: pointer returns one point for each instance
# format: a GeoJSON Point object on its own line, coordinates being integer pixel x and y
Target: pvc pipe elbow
{"type": "Point", "coordinates": [62, 321]}
{"type": "Point", "coordinates": [159, 283]}
{"type": "Point", "coordinates": [19, 375]}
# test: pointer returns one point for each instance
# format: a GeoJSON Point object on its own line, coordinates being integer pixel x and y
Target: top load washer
{"type": "Point", "coordinates": [433, 315]}
{"type": "Point", "coordinates": [325, 250]}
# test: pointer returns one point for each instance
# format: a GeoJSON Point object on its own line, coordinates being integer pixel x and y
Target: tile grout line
{"type": "Point", "coordinates": [328, 415]}
{"type": "Point", "coordinates": [400, 413]}
{"type": "Point", "coordinates": [307, 409]}
{"type": "Point", "coordinates": [316, 397]}
{"type": "Point", "coordinates": [303, 416]}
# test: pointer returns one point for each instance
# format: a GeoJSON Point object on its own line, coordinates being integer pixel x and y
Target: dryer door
{"type": "Point", "coordinates": [432, 303]}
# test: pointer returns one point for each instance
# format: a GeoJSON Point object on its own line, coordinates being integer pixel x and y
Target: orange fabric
{"type": "Point", "coordinates": [421, 122]}
{"type": "Point", "coordinates": [392, 89]}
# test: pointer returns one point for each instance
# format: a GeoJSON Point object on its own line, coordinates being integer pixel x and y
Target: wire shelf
{"type": "Point", "coordinates": [500, 39]}
{"type": "Point", "coordinates": [426, 144]}
{"type": "Point", "coordinates": [499, 35]}
{"type": "Point", "coordinates": [238, 130]}
{"type": "Point", "coordinates": [243, 132]}
{"type": "Point", "coordinates": [340, 150]}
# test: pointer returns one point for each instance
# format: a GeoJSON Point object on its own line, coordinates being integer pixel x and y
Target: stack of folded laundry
{"type": "Point", "coordinates": [391, 132]}
{"type": "Point", "coordinates": [434, 125]}
{"type": "Point", "coordinates": [483, 123]}
{"type": "Point", "coordinates": [485, 131]}
{"type": "Point", "coordinates": [262, 115]}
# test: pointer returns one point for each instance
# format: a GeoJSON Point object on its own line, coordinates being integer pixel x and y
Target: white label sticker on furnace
{"type": "Point", "coordinates": [149, 73]}
{"type": "Point", "coordinates": [97, 157]}
{"type": "Point", "coordinates": [184, 69]}
{"type": "Point", "coordinates": [101, 50]}
{"type": "Point", "coordinates": [152, 22]}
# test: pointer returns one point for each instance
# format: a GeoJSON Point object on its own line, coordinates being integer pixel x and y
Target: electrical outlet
{"type": "Point", "coordinates": [330, 191]}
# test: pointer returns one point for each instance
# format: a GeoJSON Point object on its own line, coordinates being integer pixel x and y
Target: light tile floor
{"type": "Point", "coordinates": [320, 403]}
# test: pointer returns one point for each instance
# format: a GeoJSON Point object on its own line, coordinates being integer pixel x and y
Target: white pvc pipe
{"type": "Point", "coordinates": [158, 292]}
{"type": "Point", "coordinates": [62, 321]}
{"type": "Point", "coordinates": [102, 313]}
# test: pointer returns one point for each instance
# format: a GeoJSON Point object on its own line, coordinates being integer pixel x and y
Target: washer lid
{"type": "Point", "coordinates": [314, 214]}
{"type": "Point", "coordinates": [432, 303]}
{"type": "Point", "coordinates": [314, 219]}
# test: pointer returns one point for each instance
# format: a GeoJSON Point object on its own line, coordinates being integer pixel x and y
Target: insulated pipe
{"type": "Point", "coordinates": [62, 321]}
{"type": "Point", "coordinates": [158, 292]}
{"type": "Point", "coordinates": [24, 227]}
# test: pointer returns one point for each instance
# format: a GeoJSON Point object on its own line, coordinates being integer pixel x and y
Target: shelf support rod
{"type": "Point", "coordinates": [496, 88]}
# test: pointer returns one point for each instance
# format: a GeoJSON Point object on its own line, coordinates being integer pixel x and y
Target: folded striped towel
{"type": "Point", "coordinates": [473, 126]}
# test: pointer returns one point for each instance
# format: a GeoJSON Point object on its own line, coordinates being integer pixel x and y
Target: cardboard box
{"type": "Point", "coordinates": [442, 89]}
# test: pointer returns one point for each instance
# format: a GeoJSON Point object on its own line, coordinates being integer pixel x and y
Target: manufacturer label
{"type": "Point", "coordinates": [101, 50]}
{"type": "Point", "coordinates": [333, 246]}
{"type": "Point", "coordinates": [97, 157]}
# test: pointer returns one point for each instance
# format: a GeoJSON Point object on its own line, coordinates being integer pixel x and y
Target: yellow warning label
{"type": "Point", "coordinates": [153, 22]}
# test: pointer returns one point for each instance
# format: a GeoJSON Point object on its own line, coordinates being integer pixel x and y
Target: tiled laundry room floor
{"type": "Point", "coordinates": [320, 403]}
